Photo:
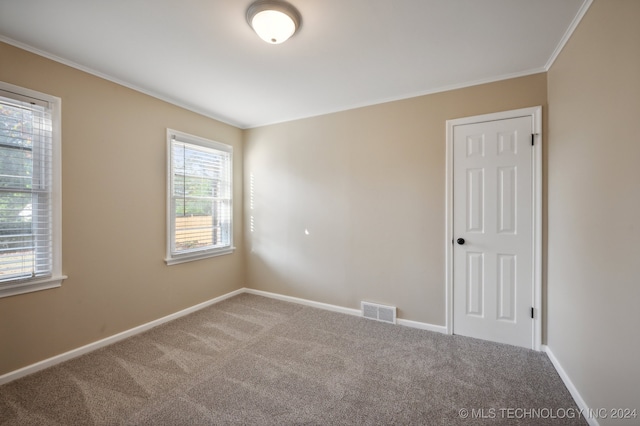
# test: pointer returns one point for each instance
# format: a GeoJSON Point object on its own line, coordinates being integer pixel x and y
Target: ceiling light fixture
{"type": "Point", "coordinates": [273, 20]}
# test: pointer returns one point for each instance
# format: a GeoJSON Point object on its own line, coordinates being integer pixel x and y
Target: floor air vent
{"type": "Point", "coordinates": [377, 312]}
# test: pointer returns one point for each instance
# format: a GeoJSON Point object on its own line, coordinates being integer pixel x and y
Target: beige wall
{"type": "Point", "coordinates": [369, 186]}
{"type": "Point", "coordinates": [114, 173]}
{"type": "Point", "coordinates": [594, 206]}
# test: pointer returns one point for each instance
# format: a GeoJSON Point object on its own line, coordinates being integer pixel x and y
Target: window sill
{"type": "Point", "coordinates": [197, 256]}
{"type": "Point", "coordinates": [31, 286]}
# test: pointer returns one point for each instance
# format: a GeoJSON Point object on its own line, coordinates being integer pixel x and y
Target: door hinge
{"type": "Point", "coordinates": [533, 137]}
{"type": "Point", "coordinates": [532, 312]}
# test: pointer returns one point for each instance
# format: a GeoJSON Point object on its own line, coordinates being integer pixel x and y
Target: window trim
{"type": "Point", "coordinates": [23, 286]}
{"type": "Point", "coordinates": [173, 259]}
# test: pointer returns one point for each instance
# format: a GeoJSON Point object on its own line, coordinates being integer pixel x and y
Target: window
{"type": "Point", "coordinates": [30, 191]}
{"type": "Point", "coordinates": [199, 203]}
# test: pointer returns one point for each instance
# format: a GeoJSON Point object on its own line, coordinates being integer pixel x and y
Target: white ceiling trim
{"type": "Point", "coordinates": [567, 35]}
{"type": "Point", "coordinates": [414, 95]}
{"type": "Point", "coordinates": [575, 22]}
{"type": "Point", "coordinates": [107, 77]}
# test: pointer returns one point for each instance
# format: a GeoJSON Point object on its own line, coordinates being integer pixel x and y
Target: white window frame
{"type": "Point", "coordinates": [173, 258]}
{"type": "Point", "coordinates": [20, 286]}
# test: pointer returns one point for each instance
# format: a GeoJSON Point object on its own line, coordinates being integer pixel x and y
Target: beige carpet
{"type": "Point", "coordinates": [254, 360]}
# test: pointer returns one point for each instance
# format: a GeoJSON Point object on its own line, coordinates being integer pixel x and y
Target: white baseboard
{"type": "Point", "coordinates": [306, 302]}
{"type": "Point", "coordinates": [349, 311]}
{"type": "Point", "coordinates": [423, 326]}
{"type": "Point", "coordinates": [30, 369]}
{"type": "Point", "coordinates": [570, 386]}
{"type": "Point", "coordinates": [50, 362]}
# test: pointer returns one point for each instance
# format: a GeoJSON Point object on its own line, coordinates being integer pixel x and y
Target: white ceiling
{"type": "Point", "coordinates": [202, 55]}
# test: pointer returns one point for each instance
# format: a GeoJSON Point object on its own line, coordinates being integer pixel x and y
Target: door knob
{"type": "Point", "coordinates": [460, 241]}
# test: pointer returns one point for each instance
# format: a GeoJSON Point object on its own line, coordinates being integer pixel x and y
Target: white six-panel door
{"type": "Point", "coordinates": [493, 227]}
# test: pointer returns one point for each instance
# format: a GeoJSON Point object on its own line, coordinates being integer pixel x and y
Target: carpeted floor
{"type": "Point", "coordinates": [254, 360]}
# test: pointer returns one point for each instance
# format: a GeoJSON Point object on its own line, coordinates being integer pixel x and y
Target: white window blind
{"type": "Point", "coordinates": [27, 198]}
{"type": "Point", "coordinates": [200, 198]}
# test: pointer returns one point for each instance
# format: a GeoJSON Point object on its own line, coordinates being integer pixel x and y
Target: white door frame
{"type": "Point", "coordinates": [536, 119]}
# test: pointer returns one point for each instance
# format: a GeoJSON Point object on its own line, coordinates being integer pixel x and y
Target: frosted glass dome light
{"type": "Point", "coordinates": [274, 21]}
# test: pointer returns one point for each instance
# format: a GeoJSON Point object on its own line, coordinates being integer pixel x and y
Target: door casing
{"type": "Point", "coordinates": [536, 123]}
